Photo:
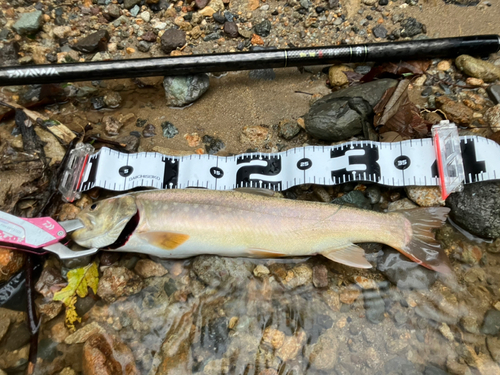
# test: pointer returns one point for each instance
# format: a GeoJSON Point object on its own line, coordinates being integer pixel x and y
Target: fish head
{"type": "Point", "coordinates": [105, 221]}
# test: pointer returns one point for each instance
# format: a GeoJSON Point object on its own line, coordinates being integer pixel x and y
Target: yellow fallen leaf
{"type": "Point", "coordinates": [79, 280]}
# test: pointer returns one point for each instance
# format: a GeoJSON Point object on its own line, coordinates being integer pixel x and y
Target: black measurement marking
{"type": "Point", "coordinates": [402, 162]}
{"type": "Point", "coordinates": [304, 164]}
{"type": "Point", "coordinates": [94, 163]}
{"type": "Point", "coordinates": [170, 172]}
{"type": "Point", "coordinates": [368, 159]}
{"type": "Point", "coordinates": [272, 168]}
{"type": "Point", "coordinates": [125, 171]}
{"type": "Point", "coordinates": [216, 172]}
{"type": "Point", "coordinates": [472, 167]}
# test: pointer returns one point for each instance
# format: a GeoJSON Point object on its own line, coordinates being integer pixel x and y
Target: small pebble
{"type": "Point", "coordinates": [169, 130]}
{"type": "Point", "coordinates": [149, 131]}
{"type": "Point", "coordinates": [443, 65]}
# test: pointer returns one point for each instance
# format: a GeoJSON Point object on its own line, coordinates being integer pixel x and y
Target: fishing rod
{"type": "Point", "coordinates": [221, 62]}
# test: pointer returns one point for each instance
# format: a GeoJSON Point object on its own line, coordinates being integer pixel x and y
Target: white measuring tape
{"type": "Point", "coordinates": [412, 162]}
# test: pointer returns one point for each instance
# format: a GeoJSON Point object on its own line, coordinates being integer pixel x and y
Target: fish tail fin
{"type": "Point", "coordinates": [421, 245]}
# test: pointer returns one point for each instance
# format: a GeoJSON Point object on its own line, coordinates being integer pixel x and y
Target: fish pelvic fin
{"type": "Point", "coordinates": [348, 254]}
{"type": "Point", "coordinates": [164, 240]}
{"type": "Point", "coordinates": [421, 246]}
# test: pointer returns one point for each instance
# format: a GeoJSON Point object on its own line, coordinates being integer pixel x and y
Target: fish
{"type": "Point", "coordinates": [182, 223]}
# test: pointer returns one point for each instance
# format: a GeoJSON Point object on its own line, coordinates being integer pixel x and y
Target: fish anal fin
{"type": "Point", "coordinates": [265, 253]}
{"type": "Point", "coordinates": [350, 255]}
{"type": "Point", "coordinates": [165, 240]}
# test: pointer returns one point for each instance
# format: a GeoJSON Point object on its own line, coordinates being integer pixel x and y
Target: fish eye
{"type": "Point", "coordinates": [93, 207]}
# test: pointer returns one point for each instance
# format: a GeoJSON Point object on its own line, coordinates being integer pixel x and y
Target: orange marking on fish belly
{"type": "Point", "coordinates": [165, 240]}
{"type": "Point", "coordinates": [264, 253]}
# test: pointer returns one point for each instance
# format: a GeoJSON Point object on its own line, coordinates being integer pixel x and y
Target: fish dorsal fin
{"type": "Point", "coordinates": [350, 255]}
{"type": "Point", "coordinates": [264, 253]}
{"type": "Point", "coordinates": [164, 240]}
{"type": "Point", "coordinates": [257, 191]}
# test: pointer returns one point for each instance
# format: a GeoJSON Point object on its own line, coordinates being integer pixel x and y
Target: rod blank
{"type": "Point", "coordinates": [170, 66]}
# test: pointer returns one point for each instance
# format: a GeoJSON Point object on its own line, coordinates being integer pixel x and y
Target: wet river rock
{"type": "Point", "coordinates": [29, 23]}
{"type": "Point", "coordinates": [338, 119]}
{"type": "Point", "coordinates": [403, 272]}
{"type": "Point", "coordinates": [372, 92]}
{"type": "Point", "coordinates": [118, 282]}
{"type": "Point", "coordinates": [347, 112]}
{"type": "Point", "coordinates": [9, 54]}
{"type": "Point", "coordinates": [491, 323]}
{"type": "Point", "coordinates": [183, 90]}
{"type": "Point", "coordinates": [477, 209]}
{"type": "Point", "coordinates": [172, 39]}
{"type": "Point", "coordinates": [10, 262]}
{"type": "Point", "coordinates": [478, 68]}
{"type": "Point", "coordinates": [214, 270]}
{"type": "Point", "coordinates": [104, 354]}
{"type": "Point", "coordinates": [97, 41]}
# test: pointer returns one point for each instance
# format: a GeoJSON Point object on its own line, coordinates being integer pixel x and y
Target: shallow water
{"type": "Point", "coordinates": [211, 315]}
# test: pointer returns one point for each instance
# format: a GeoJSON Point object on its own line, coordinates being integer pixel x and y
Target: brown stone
{"type": "Point", "coordinates": [432, 117]}
{"type": "Point", "coordinates": [192, 139]}
{"type": "Point", "coordinates": [118, 282]}
{"type": "Point", "coordinates": [255, 135]}
{"type": "Point", "coordinates": [332, 299]}
{"type": "Point", "coordinates": [84, 333]}
{"type": "Point", "coordinates": [200, 4]}
{"type": "Point", "coordinates": [320, 276]}
{"type": "Point", "coordinates": [349, 296]}
{"type": "Point", "coordinates": [323, 355]}
{"type": "Point", "coordinates": [496, 137]}
{"type": "Point", "coordinates": [291, 346]}
{"type": "Point", "coordinates": [112, 125]}
{"type": "Point", "coordinates": [172, 39]}
{"type": "Point", "coordinates": [59, 332]}
{"type": "Point", "coordinates": [273, 338]}
{"type": "Point", "coordinates": [253, 4]}
{"type": "Point", "coordinates": [455, 112]}
{"type": "Point", "coordinates": [104, 354]}
{"type": "Point", "coordinates": [268, 371]}
{"type": "Point", "coordinates": [48, 309]}
{"type": "Point", "coordinates": [11, 262]}
{"type": "Point", "coordinates": [147, 268]}
{"type": "Point", "coordinates": [257, 40]}
{"type": "Point", "coordinates": [48, 280]}
{"type": "Point", "coordinates": [231, 29]}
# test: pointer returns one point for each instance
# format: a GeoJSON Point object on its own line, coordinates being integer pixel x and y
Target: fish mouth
{"type": "Point", "coordinates": [126, 232]}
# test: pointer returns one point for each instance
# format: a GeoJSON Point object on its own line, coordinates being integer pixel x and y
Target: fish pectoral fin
{"type": "Point", "coordinates": [164, 240]}
{"type": "Point", "coordinates": [265, 253]}
{"type": "Point", "coordinates": [350, 255]}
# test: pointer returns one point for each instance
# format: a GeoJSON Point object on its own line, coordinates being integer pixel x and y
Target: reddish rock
{"type": "Point", "coordinates": [104, 354]}
{"type": "Point", "coordinates": [149, 36]}
{"type": "Point", "coordinates": [200, 4]}
{"type": "Point", "coordinates": [458, 113]}
{"type": "Point", "coordinates": [11, 262]}
{"type": "Point", "coordinates": [231, 29]}
{"type": "Point", "coordinates": [118, 282]}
